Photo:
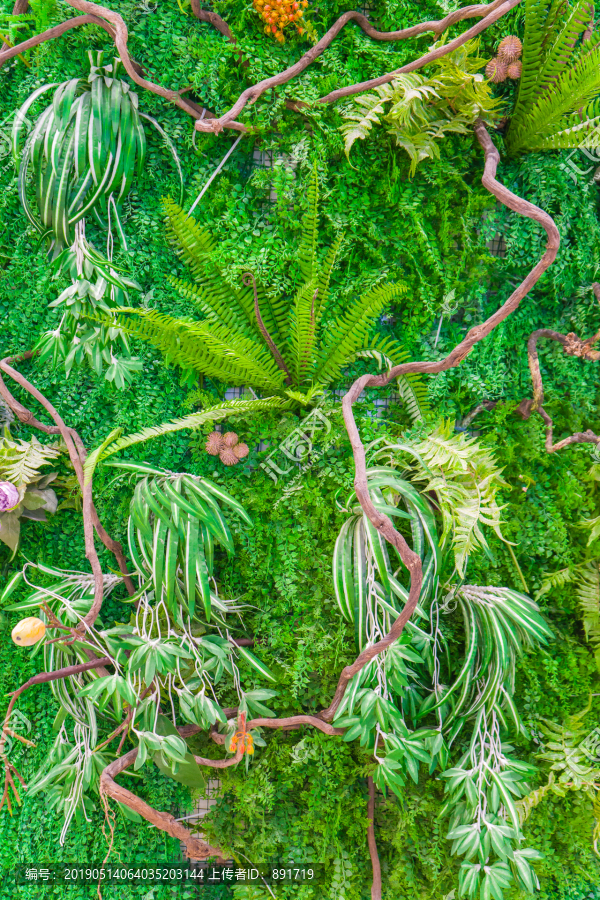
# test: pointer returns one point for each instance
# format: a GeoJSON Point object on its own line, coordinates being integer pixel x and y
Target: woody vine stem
{"type": "Point", "coordinates": [114, 25]}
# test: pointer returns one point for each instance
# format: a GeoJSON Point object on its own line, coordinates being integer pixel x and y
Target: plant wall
{"type": "Point", "coordinates": [188, 523]}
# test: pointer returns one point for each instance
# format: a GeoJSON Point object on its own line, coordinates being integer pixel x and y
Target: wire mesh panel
{"type": "Point", "coordinates": [497, 245]}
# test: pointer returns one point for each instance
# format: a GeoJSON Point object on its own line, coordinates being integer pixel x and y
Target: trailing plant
{"type": "Point", "coordinates": [557, 103]}
{"type": "Point", "coordinates": [82, 155]}
{"type": "Point", "coordinates": [80, 337]}
{"type": "Point", "coordinates": [24, 491]}
{"type": "Point", "coordinates": [421, 110]}
{"type": "Point", "coordinates": [416, 678]}
{"type": "Point", "coordinates": [174, 523]}
{"type": "Point", "coordinates": [164, 654]}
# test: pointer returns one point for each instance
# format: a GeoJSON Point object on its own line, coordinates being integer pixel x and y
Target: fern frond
{"type": "Point", "coordinates": [209, 349]}
{"type": "Point", "coordinates": [21, 461]}
{"type": "Point", "coordinates": [560, 77]}
{"type": "Point", "coordinates": [554, 580]}
{"type": "Point", "coordinates": [411, 388]}
{"type": "Point", "coordinates": [465, 479]}
{"type": "Point", "coordinates": [211, 414]}
{"type": "Point", "coordinates": [324, 276]}
{"type": "Point", "coordinates": [532, 800]}
{"type": "Point", "coordinates": [371, 108]}
{"type": "Point", "coordinates": [588, 596]}
{"type": "Point", "coordinates": [196, 247]}
{"type": "Point", "coordinates": [350, 332]}
{"type": "Point", "coordinates": [302, 331]}
{"type": "Point", "coordinates": [214, 308]}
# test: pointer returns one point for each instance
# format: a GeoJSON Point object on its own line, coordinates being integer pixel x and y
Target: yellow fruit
{"type": "Point", "coordinates": [28, 631]}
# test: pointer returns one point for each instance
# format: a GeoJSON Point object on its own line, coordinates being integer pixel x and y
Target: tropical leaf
{"type": "Point", "coordinates": [420, 110]}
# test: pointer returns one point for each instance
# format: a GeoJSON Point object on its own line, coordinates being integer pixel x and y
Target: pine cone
{"type": "Point", "coordinates": [230, 439]}
{"type": "Point", "coordinates": [514, 70]}
{"type": "Point", "coordinates": [510, 48]}
{"type": "Point", "coordinates": [241, 450]}
{"type": "Point", "coordinates": [496, 70]}
{"type": "Point", "coordinates": [228, 457]}
{"type": "Point", "coordinates": [214, 443]}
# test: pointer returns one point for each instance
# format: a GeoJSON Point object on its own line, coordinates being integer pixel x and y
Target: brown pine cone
{"type": "Point", "coordinates": [514, 70]}
{"type": "Point", "coordinates": [214, 443]}
{"type": "Point", "coordinates": [496, 70]}
{"type": "Point", "coordinates": [510, 48]}
{"type": "Point", "coordinates": [228, 457]}
{"type": "Point", "coordinates": [230, 439]}
{"type": "Point", "coordinates": [241, 450]}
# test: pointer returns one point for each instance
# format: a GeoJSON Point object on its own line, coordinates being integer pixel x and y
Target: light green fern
{"type": "Point", "coordinates": [585, 579]}
{"type": "Point", "coordinates": [21, 461]}
{"type": "Point", "coordinates": [420, 110]}
{"type": "Point", "coordinates": [568, 750]}
{"type": "Point", "coordinates": [462, 477]}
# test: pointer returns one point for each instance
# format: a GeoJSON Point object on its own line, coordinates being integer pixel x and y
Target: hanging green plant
{"type": "Point", "coordinates": [79, 161]}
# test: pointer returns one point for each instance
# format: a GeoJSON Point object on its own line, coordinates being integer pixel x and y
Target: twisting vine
{"type": "Point", "coordinates": [572, 346]}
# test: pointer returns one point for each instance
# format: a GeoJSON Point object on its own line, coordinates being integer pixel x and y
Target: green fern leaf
{"type": "Point", "coordinates": [211, 414]}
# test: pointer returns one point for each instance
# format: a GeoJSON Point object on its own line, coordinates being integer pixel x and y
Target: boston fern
{"type": "Point", "coordinates": [284, 347]}
{"type": "Point", "coordinates": [558, 104]}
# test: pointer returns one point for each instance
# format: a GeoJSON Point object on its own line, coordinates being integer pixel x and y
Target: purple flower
{"type": "Point", "coordinates": [9, 496]}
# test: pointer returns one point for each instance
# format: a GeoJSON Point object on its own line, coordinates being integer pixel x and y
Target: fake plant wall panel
{"type": "Point", "coordinates": [307, 791]}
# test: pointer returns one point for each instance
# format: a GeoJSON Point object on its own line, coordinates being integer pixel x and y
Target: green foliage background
{"type": "Point", "coordinates": [305, 794]}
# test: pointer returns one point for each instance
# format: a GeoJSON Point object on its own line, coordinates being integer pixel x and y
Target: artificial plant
{"type": "Point", "coordinates": [82, 155]}
{"type": "Point", "coordinates": [288, 348]}
{"type": "Point", "coordinates": [420, 110]}
{"type": "Point", "coordinates": [438, 365]}
{"type": "Point", "coordinates": [24, 490]}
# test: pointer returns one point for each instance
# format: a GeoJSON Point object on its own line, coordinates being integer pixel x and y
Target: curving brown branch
{"type": "Point", "coordinates": [56, 31]}
{"type": "Point", "coordinates": [572, 346]}
{"type": "Point", "coordinates": [40, 678]}
{"type": "Point", "coordinates": [77, 454]}
{"type": "Point", "coordinates": [492, 16]}
{"type": "Point", "coordinates": [194, 847]}
{"type": "Point", "coordinates": [375, 864]}
{"type": "Point", "coordinates": [491, 13]}
{"type": "Point", "coordinates": [114, 24]}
